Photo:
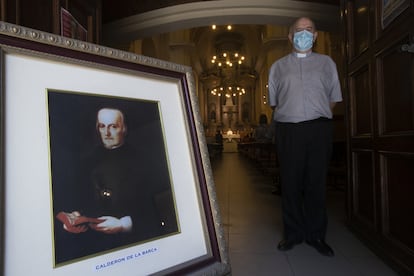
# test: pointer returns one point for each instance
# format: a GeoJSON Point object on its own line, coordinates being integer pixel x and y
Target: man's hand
{"type": "Point", "coordinates": [75, 223]}
{"type": "Point", "coordinates": [112, 225]}
{"type": "Point", "coordinates": [72, 222]}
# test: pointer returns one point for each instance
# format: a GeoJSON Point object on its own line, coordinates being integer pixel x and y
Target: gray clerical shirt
{"type": "Point", "coordinates": [302, 88]}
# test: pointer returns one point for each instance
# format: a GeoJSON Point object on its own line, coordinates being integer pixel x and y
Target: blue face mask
{"type": "Point", "coordinates": [303, 40]}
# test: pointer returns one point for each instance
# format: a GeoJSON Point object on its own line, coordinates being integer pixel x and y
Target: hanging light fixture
{"type": "Point", "coordinates": [228, 44]}
{"type": "Point", "coordinates": [228, 48]}
{"type": "Point", "coordinates": [227, 59]}
{"type": "Point", "coordinates": [228, 91]}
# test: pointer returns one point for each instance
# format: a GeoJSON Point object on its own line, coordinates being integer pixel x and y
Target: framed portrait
{"type": "Point", "coordinates": [70, 27]}
{"type": "Point", "coordinates": [77, 19]}
{"type": "Point", "coordinates": [391, 9]}
{"type": "Point", "coordinates": [105, 168]}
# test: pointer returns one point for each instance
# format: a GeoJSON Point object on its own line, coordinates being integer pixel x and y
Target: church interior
{"type": "Point", "coordinates": [229, 46]}
{"type": "Point", "coordinates": [230, 62]}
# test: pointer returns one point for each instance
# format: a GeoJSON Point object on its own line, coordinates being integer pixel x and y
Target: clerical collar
{"type": "Point", "coordinates": [302, 55]}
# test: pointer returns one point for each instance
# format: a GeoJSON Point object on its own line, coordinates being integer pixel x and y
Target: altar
{"type": "Point", "coordinates": [230, 146]}
{"type": "Point", "coordinates": [230, 142]}
{"type": "Point", "coordinates": [231, 137]}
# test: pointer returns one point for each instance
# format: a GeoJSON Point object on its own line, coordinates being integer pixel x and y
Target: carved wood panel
{"type": "Point", "coordinates": [381, 134]}
{"type": "Point", "coordinates": [364, 209]}
{"type": "Point", "coordinates": [397, 198]}
{"type": "Point", "coordinates": [395, 76]}
{"type": "Point", "coordinates": [360, 102]}
{"type": "Point", "coordinates": [359, 26]}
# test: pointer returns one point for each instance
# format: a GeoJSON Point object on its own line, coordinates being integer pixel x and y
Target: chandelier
{"type": "Point", "coordinates": [228, 45]}
{"type": "Point", "coordinates": [227, 59]}
{"type": "Point", "coordinates": [228, 91]}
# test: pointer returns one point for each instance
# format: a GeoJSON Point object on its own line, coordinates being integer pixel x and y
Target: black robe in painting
{"type": "Point", "coordinates": [118, 182]}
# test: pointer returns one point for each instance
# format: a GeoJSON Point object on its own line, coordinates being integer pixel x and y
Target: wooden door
{"type": "Point", "coordinates": [380, 109]}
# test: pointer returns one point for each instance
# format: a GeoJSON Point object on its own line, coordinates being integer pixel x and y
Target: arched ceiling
{"type": "Point", "coordinates": [206, 13]}
{"type": "Point", "coordinates": [112, 10]}
{"type": "Point", "coordinates": [249, 19]}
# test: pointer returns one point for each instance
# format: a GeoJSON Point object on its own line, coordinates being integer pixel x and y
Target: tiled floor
{"type": "Point", "coordinates": [251, 217]}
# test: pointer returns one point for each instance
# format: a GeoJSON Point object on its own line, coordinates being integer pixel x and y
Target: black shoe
{"type": "Point", "coordinates": [322, 247]}
{"type": "Point", "coordinates": [285, 245]}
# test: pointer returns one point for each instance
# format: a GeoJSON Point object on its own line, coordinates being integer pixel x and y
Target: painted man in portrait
{"type": "Point", "coordinates": [118, 198]}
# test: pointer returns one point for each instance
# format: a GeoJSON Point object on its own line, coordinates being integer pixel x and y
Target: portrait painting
{"type": "Point", "coordinates": [110, 176]}
{"type": "Point", "coordinates": [105, 164]}
{"type": "Point", "coordinates": [391, 9]}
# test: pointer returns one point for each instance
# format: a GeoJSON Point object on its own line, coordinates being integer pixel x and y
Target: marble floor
{"type": "Point", "coordinates": [251, 217]}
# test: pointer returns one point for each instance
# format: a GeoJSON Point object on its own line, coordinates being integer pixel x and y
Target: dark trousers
{"type": "Point", "coordinates": [304, 151]}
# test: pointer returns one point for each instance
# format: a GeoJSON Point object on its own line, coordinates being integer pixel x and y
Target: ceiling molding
{"type": "Point", "coordinates": [186, 16]}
